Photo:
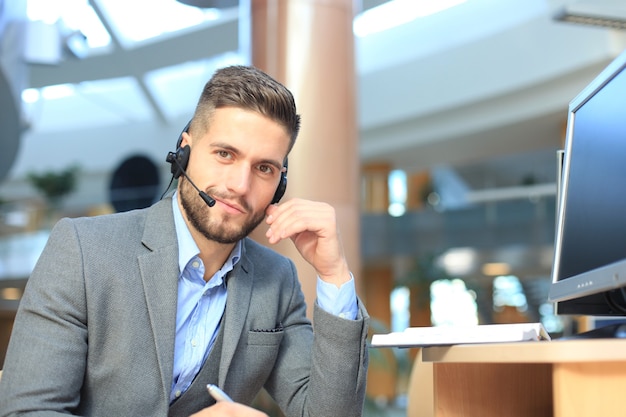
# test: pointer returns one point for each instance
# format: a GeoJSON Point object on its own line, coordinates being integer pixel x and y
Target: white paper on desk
{"type": "Point", "coordinates": [455, 335]}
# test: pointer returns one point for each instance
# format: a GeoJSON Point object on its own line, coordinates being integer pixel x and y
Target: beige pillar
{"type": "Point", "coordinates": [309, 46]}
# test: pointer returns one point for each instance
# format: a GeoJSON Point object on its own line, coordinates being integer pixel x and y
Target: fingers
{"type": "Point", "coordinates": [296, 216]}
{"type": "Point", "coordinates": [312, 226]}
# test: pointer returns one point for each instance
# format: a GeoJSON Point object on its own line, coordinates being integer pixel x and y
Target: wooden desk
{"type": "Point", "coordinates": [539, 379]}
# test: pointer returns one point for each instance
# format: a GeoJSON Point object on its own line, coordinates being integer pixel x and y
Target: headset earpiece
{"type": "Point", "coordinates": [282, 184]}
{"type": "Point", "coordinates": [180, 158]}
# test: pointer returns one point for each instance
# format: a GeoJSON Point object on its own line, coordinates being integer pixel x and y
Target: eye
{"type": "Point", "coordinates": [266, 169]}
{"type": "Point", "coordinates": [224, 154]}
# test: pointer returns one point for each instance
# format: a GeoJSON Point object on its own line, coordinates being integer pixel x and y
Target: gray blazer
{"type": "Point", "coordinates": [94, 333]}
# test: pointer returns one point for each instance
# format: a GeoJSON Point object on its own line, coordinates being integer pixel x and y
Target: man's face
{"type": "Point", "coordinates": [238, 163]}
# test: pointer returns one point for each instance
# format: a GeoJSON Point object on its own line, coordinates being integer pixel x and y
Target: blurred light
{"type": "Point", "coordinates": [30, 95]}
{"type": "Point", "coordinates": [549, 319]}
{"type": "Point", "coordinates": [43, 10]}
{"type": "Point", "coordinates": [397, 12]}
{"type": "Point", "coordinates": [496, 268]}
{"type": "Point", "coordinates": [396, 209]}
{"type": "Point", "coordinates": [70, 16]}
{"type": "Point", "coordinates": [433, 199]}
{"type": "Point", "coordinates": [77, 44]}
{"type": "Point", "coordinates": [458, 261]}
{"type": "Point", "coordinates": [11, 293]}
{"type": "Point", "coordinates": [508, 291]}
{"type": "Point", "coordinates": [158, 17]}
{"type": "Point", "coordinates": [452, 303]}
{"type": "Point", "coordinates": [396, 182]}
{"type": "Point", "coordinates": [53, 92]}
{"type": "Point", "coordinates": [16, 218]}
{"type": "Point", "coordinates": [400, 309]}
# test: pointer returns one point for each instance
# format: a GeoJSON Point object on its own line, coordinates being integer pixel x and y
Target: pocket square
{"type": "Point", "coordinates": [279, 328]}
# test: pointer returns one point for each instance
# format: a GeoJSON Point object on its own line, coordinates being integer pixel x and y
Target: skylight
{"type": "Point", "coordinates": [132, 21]}
{"type": "Point", "coordinates": [140, 20]}
{"type": "Point", "coordinates": [398, 12]}
{"type": "Point", "coordinates": [70, 16]}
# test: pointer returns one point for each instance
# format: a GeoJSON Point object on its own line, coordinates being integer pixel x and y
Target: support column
{"type": "Point", "coordinates": [308, 45]}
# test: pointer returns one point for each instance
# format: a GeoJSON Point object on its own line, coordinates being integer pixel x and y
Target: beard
{"type": "Point", "coordinates": [221, 230]}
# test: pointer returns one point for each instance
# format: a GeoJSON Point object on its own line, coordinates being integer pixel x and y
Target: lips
{"type": "Point", "coordinates": [230, 206]}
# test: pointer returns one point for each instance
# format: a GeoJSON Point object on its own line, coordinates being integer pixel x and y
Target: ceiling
{"type": "Point", "coordinates": [481, 88]}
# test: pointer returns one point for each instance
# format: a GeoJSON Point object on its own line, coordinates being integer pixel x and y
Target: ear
{"type": "Point", "coordinates": [185, 139]}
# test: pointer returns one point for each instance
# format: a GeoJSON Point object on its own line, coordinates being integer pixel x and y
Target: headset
{"type": "Point", "coordinates": [180, 158]}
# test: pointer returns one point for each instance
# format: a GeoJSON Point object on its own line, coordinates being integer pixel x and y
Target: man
{"type": "Point", "coordinates": [133, 314]}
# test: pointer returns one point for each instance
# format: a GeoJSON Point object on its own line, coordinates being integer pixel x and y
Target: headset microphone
{"type": "Point", "coordinates": [210, 201]}
{"type": "Point", "coordinates": [175, 159]}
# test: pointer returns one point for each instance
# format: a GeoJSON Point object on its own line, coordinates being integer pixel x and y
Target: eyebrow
{"type": "Point", "coordinates": [277, 164]}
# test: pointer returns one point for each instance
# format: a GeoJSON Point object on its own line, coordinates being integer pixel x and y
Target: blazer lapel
{"type": "Point", "coordinates": [239, 284]}
{"type": "Point", "coordinates": [159, 273]}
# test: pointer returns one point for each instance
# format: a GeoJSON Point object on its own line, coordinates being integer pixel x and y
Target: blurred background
{"type": "Point", "coordinates": [461, 108]}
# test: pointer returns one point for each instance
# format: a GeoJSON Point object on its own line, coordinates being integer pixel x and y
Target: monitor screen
{"type": "Point", "coordinates": [589, 266]}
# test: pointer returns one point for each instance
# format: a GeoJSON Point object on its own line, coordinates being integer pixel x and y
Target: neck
{"type": "Point", "coordinates": [213, 255]}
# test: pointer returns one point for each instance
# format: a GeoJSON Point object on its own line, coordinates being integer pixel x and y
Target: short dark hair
{"type": "Point", "coordinates": [248, 88]}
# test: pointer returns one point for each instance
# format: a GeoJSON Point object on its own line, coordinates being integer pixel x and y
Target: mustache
{"type": "Point", "coordinates": [239, 200]}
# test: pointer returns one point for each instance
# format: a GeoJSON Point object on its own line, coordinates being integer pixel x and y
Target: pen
{"type": "Point", "coordinates": [217, 393]}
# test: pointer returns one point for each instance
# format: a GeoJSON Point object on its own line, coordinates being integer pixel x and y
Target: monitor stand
{"type": "Point", "coordinates": [612, 331]}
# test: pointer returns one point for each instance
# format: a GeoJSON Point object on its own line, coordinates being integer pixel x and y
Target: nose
{"type": "Point", "coordinates": [238, 178]}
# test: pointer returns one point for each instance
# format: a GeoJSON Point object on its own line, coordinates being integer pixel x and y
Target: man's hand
{"type": "Point", "coordinates": [229, 409]}
{"type": "Point", "coordinates": [312, 226]}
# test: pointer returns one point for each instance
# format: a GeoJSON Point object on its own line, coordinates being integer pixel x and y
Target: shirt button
{"type": "Point", "coordinates": [195, 264]}
{"type": "Point", "coordinates": [194, 343]}
{"type": "Point", "coordinates": [177, 393]}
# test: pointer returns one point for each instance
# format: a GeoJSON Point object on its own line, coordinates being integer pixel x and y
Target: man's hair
{"type": "Point", "coordinates": [247, 88]}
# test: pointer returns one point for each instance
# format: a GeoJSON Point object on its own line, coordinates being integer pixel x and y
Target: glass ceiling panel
{"type": "Point", "coordinates": [137, 21]}
{"type": "Point", "coordinates": [133, 21]}
{"type": "Point", "coordinates": [71, 16]}
{"type": "Point", "coordinates": [88, 104]}
{"type": "Point", "coordinates": [398, 12]}
{"type": "Point", "coordinates": [177, 88]}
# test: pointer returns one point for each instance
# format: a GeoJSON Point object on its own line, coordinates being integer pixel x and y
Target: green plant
{"type": "Point", "coordinates": [55, 185]}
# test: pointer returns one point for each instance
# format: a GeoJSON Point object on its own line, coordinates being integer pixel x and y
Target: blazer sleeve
{"type": "Point", "coordinates": [45, 361]}
{"type": "Point", "coordinates": [339, 363]}
{"type": "Point", "coordinates": [324, 373]}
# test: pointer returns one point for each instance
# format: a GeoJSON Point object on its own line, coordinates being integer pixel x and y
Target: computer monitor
{"type": "Point", "coordinates": [589, 268]}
